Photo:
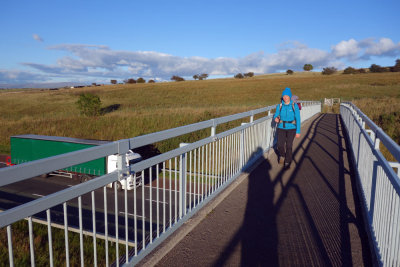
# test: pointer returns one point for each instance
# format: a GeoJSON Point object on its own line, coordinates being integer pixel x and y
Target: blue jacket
{"type": "Point", "coordinates": [288, 114]}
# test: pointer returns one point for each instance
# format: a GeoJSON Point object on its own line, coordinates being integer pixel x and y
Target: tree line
{"type": "Point", "coordinates": [307, 67]}
{"type": "Point", "coordinates": [131, 81]}
{"type": "Point", "coordinates": [374, 68]}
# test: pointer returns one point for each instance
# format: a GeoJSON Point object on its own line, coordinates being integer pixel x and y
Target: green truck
{"type": "Point", "coordinates": [29, 147]}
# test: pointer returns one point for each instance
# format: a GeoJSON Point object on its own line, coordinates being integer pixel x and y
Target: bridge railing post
{"type": "Point", "coordinates": [182, 183]}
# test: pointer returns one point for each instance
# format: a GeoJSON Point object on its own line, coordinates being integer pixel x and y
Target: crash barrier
{"type": "Point", "coordinates": [176, 184]}
{"type": "Point", "coordinates": [378, 181]}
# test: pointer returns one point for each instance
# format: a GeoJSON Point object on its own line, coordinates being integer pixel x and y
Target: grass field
{"type": "Point", "coordinates": [146, 108]}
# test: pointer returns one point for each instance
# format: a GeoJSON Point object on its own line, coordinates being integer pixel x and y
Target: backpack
{"type": "Point", "coordinates": [295, 98]}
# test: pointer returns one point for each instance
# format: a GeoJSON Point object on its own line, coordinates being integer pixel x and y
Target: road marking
{"type": "Point", "coordinates": [130, 214]}
{"type": "Point", "coordinates": [38, 195]}
{"type": "Point", "coordinates": [157, 201]}
{"type": "Point", "coordinates": [191, 193]}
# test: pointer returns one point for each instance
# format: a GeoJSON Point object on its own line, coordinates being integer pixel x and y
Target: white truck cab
{"type": "Point", "coordinates": [131, 158]}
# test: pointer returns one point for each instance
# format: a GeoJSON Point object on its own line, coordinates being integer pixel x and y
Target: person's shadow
{"type": "Point", "coordinates": [258, 234]}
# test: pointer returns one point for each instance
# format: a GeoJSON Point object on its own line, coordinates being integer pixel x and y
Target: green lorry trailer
{"type": "Point", "coordinates": [30, 147]}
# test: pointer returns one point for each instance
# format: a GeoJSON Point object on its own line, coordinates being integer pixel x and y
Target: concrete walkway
{"type": "Point", "coordinates": [306, 216]}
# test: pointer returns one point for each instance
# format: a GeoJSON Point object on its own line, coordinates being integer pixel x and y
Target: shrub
{"type": "Point", "coordinates": [203, 76]}
{"type": "Point", "coordinates": [329, 70]}
{"type": "Point", "coordinates": [130, 81]}
{"type": "Point", "coordinates": [350, 70]}
{"type": "Point", "coordinates": [89, 104]}
{"type": "Point", "coordinates": [289, 72]}
{"type": "Point", "coordinates": [249, 74]}
{"type": "Point", "coordinates": [140, 80]}
{"type": "Point", "coordinates": [362, 71]}
{"type": "Point", "coordinates": [177, 78]}
{"type": "Point", "coordinates": [396, 67]}
{"type": "Point", "coordinates": [113, 81]}
{"type": "Point", "coordinates": [239, 76]}
{"type": "Point", "coordinates": [376, 68]}
{"type": "Point", "coordinates": [151, 81]}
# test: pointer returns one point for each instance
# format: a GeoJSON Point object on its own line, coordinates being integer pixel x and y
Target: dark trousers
{"type": "Point", "coordinates": [285, 143]}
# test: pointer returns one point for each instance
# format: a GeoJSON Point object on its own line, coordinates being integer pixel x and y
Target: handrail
{"type": "Point", "coordinates": [379, 185]}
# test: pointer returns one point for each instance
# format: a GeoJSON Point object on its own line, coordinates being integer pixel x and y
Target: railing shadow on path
{"type": "Point", "coordinates": [309, 214]}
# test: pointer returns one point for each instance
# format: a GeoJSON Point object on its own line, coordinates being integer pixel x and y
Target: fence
{"type": "Point", "coordinates": [176, 185]}
{"type": "Point", "coordinates": [379, 183]}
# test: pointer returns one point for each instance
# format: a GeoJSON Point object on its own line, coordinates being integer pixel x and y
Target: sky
{"type": "Point", "coordinates": [47, 42]}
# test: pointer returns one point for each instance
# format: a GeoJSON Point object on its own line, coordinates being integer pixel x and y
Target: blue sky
{"type": "Point", "coordinates": [95, 41]}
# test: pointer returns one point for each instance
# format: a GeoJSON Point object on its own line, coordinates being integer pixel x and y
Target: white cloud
{"type": "Point", "coordinates": [348, 48]}
{"type": "Point", "coordinates": [384, 46]}
{"type": "Point", "coordinates": [37, 37]}
{"type": "Point", "coordinates": [99, 62]}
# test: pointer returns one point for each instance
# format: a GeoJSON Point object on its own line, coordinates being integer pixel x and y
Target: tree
{"type": "Point", "coordinates": [376, 68]}
{"type": "Point", "coordinates": [203, 76]}
{"type": "Point", "coordinates": [195, 76]}
{"type": "Point", "coordinates": [396, 67]}
{"type": "Point", "coordinates": [130, 81]}
{"type": "Point", "coordinates": [140, 80]}
{"type": "Point", "coordinates": [89, 104]}
{"type": "Point", "coordinates": [151, 81]}
{"type": "Point", "coordinates": [249, 74]}
{"type": "Point", "coordinates": [329, 70]}
{"type": "Point", "coordinates": [239, 76]}
{"type": "Point", "coordinates": [289, 72]}
{"type": "Point", "coordinates": [177, 78]}
{"type": "Point", "coordinates": [308, 67]}
{"type": "Point", "coordinates": [113, 81]}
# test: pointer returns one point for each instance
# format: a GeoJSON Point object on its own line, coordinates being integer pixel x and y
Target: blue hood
{"type": "Point", "coordinates": [288, 92]}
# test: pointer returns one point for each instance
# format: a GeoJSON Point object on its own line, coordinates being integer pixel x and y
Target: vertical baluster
{"type": "Point", "coordinates": [135, 212]}
{"type": "Point", "coordinates": [66, 234]}
{"type": "Point", "coordinates": [94, 229]}
{"type": "Point", "coordinates": [31, 244]}
{"type": "Point", "coordinates": [151, 203]}
{"type": "Point", "coordinates": [164, 185]}
{"type": "Point", "coordinates": [106, 223]}
{"type": "Point", "coordinates": [116, 224]}
{"type": "Point", "coordinates": [158, 201]}
{"type": "Point", "coordinates": [81, 229]}
{"type": "Point", "coordinates": [10, 246]}
{"type": "Point", "coordinates": [176, 189]}
{"type": "Point", "coordinates": [126, 220]}
{"type": "Point", "coordinates": [170, 193]}
{"type": "Point", "coordinates": [190, 181]}
{"type": "Point", "coordinates": [143, 213]}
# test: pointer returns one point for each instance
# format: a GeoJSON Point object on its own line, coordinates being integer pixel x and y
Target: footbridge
{"type": "Point", "coordinates": [220, 201]}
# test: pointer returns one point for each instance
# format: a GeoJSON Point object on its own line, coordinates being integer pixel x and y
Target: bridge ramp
{"type": "Point", "coordinates": [306, 216]}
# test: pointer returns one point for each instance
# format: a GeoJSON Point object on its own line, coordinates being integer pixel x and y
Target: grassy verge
{"type": "Point", "coordinates": [385, 112]}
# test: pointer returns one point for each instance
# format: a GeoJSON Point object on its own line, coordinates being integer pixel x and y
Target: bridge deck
{"type": "Point", "coordinates": [306, 216]}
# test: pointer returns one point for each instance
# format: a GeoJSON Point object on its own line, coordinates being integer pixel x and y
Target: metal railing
{"type": "Point", "coordinates": [176, 184]}
{"type": "Point", "coordinates": [379, 183]}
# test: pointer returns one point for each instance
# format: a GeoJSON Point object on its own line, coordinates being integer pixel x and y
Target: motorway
{"type": "Point", "coordinates": [28, 190]}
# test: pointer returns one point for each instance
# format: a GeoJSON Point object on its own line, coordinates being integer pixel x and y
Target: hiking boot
{"type": "Point", "coordinates": [281, 160]}
{"type": "Point", "coordinates": [286, 166]}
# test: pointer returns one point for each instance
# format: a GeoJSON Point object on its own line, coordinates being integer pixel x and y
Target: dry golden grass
{"type": "Point", "coordinates": [146, 108]}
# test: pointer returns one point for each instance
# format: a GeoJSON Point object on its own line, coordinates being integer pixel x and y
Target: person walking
{"type": "Point", "coordinates": [287, 116]}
